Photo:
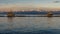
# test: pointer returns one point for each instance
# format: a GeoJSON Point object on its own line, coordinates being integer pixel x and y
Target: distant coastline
{"type": "Point", "coordinates": [31, 14]}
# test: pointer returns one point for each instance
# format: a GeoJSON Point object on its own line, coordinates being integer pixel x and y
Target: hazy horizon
{"type": "Point", "coordinates": [6, 5]}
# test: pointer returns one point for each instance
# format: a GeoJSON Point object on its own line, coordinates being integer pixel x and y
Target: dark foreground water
{"type": "Point", "coordinates": [29, 25]}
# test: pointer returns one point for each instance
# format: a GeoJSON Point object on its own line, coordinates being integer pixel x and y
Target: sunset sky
{"type": "Point", "coordinates": [28, 4]}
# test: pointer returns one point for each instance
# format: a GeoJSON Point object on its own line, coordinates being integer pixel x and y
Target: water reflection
{"type": "Point", "coordinates": [10, 21]}
{"type": "Point", "coordinates": [29, 23]}
{"type": "Point", "coordinates": [49, 22]}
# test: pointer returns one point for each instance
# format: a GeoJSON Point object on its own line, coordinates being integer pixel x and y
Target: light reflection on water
{"type": "Point", "coordinates": [29, 23]}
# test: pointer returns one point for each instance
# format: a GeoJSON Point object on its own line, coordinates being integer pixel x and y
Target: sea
{"type": "Point", "coordinates": [29, 25]}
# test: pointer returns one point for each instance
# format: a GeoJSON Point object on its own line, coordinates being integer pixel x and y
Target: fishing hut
{"type": "Point", "coordinates": [10, 14]}
{"type": "Point", "coordinates": [50, 14]}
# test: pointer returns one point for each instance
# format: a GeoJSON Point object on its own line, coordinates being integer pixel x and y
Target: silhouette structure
{"type": "Point", "coordinates": [10, 14]}
{"type": "Point", "coordinates": [49, 14]}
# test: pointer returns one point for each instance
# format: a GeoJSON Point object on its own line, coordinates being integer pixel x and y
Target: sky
{"type": "Point", "coordinates": [29, 4]}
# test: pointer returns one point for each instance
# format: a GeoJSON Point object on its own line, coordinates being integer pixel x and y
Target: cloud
{"type": "Point", "coordinates": [56, 1]}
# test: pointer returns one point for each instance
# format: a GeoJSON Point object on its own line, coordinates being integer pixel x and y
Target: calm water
{"type": "Point", "coordinates": [30, 25]}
